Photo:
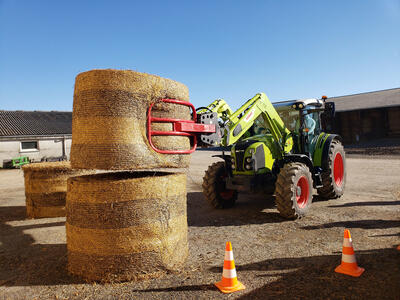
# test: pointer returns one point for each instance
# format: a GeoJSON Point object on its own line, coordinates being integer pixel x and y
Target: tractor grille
{"type": "Point", "coordinates": [240, 148]}
{"type": "Point", "coordinates": [239, 160]}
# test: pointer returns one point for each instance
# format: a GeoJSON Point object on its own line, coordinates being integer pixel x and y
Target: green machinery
{"type": "Point", "coordinates": [20, 161]}
{"type": "Point", "coordinates": [220, 107]}
{"type": "Point", "coordinates": [279, 149]}
{"type": "Point", "coordinates": [17, 162]}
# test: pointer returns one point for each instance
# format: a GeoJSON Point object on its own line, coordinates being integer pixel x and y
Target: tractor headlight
{"type": "Point", "coordinates": [248, 167]}
{"type": "Point", "coordinates": [232, 160]}
{"type": "Point", "coordinates": [248, 159]}
{"type": "Point", "coordinates": [233, 167]}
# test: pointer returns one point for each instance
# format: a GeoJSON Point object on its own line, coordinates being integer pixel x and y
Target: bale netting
{"type": "Point", "coordinates": [46, 188]}
{"type": "Point", "coordinates": [126, 225]}
{"type": "Point", "coordinates": [110, 116]}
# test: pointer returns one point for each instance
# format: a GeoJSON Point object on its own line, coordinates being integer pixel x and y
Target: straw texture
{"type": "Point", "coordinates": [109, 121]}
{"type": "Point", "coordinates": [126, 226]}
{"type": "Point", "coordinates": [46, 188]}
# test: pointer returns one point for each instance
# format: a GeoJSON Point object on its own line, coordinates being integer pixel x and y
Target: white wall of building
{"type": "Point", "coordinates": [47, 148]}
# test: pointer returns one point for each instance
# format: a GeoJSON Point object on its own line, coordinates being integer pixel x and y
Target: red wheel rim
{"type": "Point", "coordinates": [302, 191]}
{"type": "Point", "coordinates": [338, 169]}
{"type": "Point", "coordinates": [226, 195]}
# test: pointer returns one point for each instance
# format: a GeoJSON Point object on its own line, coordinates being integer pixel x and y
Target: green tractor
{"type": "Point", "coordinates": [278, 149]}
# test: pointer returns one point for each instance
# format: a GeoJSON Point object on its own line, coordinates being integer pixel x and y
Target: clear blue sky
{"type": "Point", "coordinates": [219, 49]}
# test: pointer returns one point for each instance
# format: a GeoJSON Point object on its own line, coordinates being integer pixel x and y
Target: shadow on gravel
{"type": "Point", "coordinates": [365, 224]}
{"type": "Point", "coordinates": [248, 210]}
{"type": "Point", "coordinates": [314, 277]}
{"type": "Point", "coordinates": [200, 287]}
{"type": "Point", "coordinates": [371, 203]}
{"type": "Point", "coordinates": [24, 263]}
{"type": "Point", "coordinates": [317, 198]}
{"type": "Point", "coordinates": [385, 235]}
{"type": "Point", "coordinates": [12, 213]}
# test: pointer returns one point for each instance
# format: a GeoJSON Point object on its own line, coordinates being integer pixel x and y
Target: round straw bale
{"type": "Point", "coordinates": [126, 226]}
{"type": "Point", "coordinates": [110, 116]}
{"type": "Point", "coordinates": [46, 188]}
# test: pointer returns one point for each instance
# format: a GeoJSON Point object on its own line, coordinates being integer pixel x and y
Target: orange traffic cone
{"type": "Point", "coordinates": [349, 265]}
{"type": "Point", "coordinates": [229, 282]}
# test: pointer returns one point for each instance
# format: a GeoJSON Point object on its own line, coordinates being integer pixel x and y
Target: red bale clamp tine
{"type": "Point", "coordinates": [180, 127]}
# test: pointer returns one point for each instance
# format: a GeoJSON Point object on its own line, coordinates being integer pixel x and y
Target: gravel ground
{"type": "Point", "coordinates": [274, 257]}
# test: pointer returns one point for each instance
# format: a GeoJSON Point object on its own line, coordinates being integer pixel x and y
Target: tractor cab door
{"type": "Point", "coordinates": [311, 129]}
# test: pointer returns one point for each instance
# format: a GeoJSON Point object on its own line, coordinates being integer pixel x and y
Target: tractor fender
{"type": "Point", "coordinates": [304, 159]}
{"type": "Point", "coordinates": [227, 160]}
{"type": "Point", "coordinates": [223, 156]}
{"type": "Point", "coordinates": [322, 148]}
{"type": "Point", "coordinates": [327, 145]}
{"type": "Point", "coordinates": [301, 158]}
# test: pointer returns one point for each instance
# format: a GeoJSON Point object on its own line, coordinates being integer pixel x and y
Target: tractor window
{"type": "Point", "coordinates": [293, 121]}
{"type": "Point", "coordinates": [312, 123]}
{"type": "Point", "coordinates": [259, 126]}
{"type": "Point", "coordinates": [290, 117]}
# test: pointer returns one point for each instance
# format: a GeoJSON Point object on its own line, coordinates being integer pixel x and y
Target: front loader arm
{"type": "Point", "coordinates": [241, 121]}
{"type": "Point", "coordinates": [220, 107]}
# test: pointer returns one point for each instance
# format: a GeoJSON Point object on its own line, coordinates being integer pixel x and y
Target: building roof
{"type": "Point", "coordinates": [35, 123]}
{"type": "Point", "coordinates": [377, 99]}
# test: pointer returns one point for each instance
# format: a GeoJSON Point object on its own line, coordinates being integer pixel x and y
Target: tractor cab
{"type": "Point", "coordinates": [303, 119]}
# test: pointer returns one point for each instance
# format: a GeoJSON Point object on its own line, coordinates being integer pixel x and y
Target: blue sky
{"type": "Point", "coordinates": [219, 49]}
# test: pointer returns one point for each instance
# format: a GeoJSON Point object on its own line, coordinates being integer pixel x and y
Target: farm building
{"type": "Point", "coordinates": [367, 116]}
{"type": "Point", "coordinates": [35, 134]}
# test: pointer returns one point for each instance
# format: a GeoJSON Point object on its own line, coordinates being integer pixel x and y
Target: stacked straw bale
{"type": "Point", "coordinates": [109, 121]}
{"type": "Point", "coordinates": [126, 226]}
{"type": "Point", "coordinates": [46, 188]}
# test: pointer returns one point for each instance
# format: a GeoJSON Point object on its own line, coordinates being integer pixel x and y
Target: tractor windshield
{"type": "Point", "coordinates": [289, 116]}
{"type": "Point", "coordinates": [312, 123]}
{"type": "Point", "coordinates": [258, 128]}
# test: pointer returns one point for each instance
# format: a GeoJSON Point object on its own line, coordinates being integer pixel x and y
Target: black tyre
{"type": "Point", "coordinates": [293, 192]}
{"type": "Point", "coordinates": [334, 174]}
{"type": "Point", "coordinates": [214, 187]}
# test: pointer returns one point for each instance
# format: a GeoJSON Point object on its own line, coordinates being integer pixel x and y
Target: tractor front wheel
{"type": "Point", "coordinates": [293, 192]}
{"type": "Point", "coordinates": [214, 187]}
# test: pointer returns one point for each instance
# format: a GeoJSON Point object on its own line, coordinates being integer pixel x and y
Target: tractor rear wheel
{"type": "Point", "coordinates": [214, 187]}
{"type": "Point", "coordinates": [293, 192]}
{"type": "Point", "coordinates": [334, 174]}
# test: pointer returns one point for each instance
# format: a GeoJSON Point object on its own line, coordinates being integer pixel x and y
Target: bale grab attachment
{"type": "Point", "coordinates": [202, 128]}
